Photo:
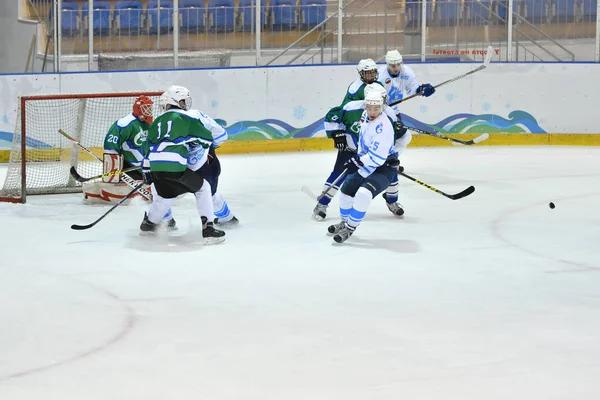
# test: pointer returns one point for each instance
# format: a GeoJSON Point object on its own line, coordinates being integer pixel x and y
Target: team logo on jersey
{"type": "Point", "coordinates": [405, 77]}
{"type": "Point", "coordinates": [379, 128]}
{"type": "Point", "coordinates": [334, 118]}
{"type": "Point", "coordinates": [356, 127]}
{"type": "Point", "coordinates": [140, 138]}
{"type": "Point", "coordinates": [388, 81]}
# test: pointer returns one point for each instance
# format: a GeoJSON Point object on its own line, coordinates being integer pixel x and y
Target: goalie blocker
{"type": "Point", "coordinates": [111, 189]}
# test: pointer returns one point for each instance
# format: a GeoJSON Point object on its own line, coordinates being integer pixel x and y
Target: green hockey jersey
{"type": "Point", "coordinates": [348, 118]}
{"type": "Point", "coordinates": [170, 138]}
{"type": "Point", "coordinates": [356, 91]}
{"type": "Point", "coordinates": [126, 137]}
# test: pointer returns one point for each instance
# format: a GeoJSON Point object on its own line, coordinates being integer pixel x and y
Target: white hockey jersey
{"type": "Point", "coordinates": [402, 85]}
{"type": "Point", "coordinates": [375, 143]}
{"type": "Point", "coordinates": [198, 156]}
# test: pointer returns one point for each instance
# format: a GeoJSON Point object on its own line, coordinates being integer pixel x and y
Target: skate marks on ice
{"type": "Point", "coordinates": [187, 238]}
{"type": "Point", "coordinates": [563, 231]}
{"type": "Point", "coordinates": [400, 246]}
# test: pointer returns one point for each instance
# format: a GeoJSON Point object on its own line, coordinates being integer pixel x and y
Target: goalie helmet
{"type": "Point", "coordinates": [174, 95]}
{"type": "Point", "coordinates": [367, 69]}
{"type": "Point", "coordinates": [142, 109]}
{"type": "Point", "coordinates": [375, 87]}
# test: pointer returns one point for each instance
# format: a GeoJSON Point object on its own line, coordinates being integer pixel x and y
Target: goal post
{"type": "Point", "coordinates": [40, 157]}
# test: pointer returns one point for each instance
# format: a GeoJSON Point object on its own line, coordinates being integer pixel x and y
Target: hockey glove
{"type": "Point", "coordinates": [339, 140]}
{"type": "Point", "coordinates": [146, 175]}
{"type": "Point", "coordinates": [399, 130]}
{"type": "Point", "coordinates": [353, 165]}
{"type": "Point", "coordinates": [427, 89]}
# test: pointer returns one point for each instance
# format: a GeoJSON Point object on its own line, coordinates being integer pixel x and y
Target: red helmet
{"type": "Point", "coordinates": [142, 108]}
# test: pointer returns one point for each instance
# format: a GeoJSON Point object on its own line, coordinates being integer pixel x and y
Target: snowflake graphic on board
{"type": "Point", "coordinates": [299, 112]}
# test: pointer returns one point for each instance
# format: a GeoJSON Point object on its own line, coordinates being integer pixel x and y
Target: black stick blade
{"type": "Point", "coordinates": [76, 175]}
{"type": "Point", "coordinates": [462, 194]}
{"type": "Point", "coordinates": [82, 227]}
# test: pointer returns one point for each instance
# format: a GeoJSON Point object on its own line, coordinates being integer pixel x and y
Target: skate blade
{"type": "Point", "coordinates": [318, 218]}
{"type": "Point", "coordinates": [214, 240]}
{"type": "Point", "coordinates": [228, 224]}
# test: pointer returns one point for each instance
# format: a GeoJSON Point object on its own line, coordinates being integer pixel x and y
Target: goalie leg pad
{"type": "Point", "coordinates": [112, 163]}
{"type": "Point", "coordinates": [106, 193]}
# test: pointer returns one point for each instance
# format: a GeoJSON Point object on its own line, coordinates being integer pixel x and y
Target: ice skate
{"type": "Point", "coordinates": [395, 208]}
{"type": "Point", "coordinates": [343, 234]}
{"type": "Point", "coordinates": [210, 234]}
{"type": "Point", "coordinates": [319, 212]}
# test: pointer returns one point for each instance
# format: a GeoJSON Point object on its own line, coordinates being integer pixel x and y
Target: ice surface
{"type": "Point", "coordinates": [494, 296]}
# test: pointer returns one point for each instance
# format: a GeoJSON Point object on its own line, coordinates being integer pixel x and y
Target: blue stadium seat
{"type": "Point", "coordinates": [312, 12]}
{"type": "Point", "coordinates": [448, 12]}
{"type": "Point", "coordinates": [128, 15]}
{"type": "Point", "coordinates": [192, 14]}
{"type": "Point", "coordinates": [535, 10]}
{"type": "Point", "coordinates": [70, 18]}
{"type": "Point", "coordinates": [284, 14]}
{"type": "Point", "coordinates": [221, 15]}
{"type": "Point", "coordinates": [413, 13]}
{"type": "Point", "coordinates": [101, 15]}
{"type": "Point", "coordinates": [246, 10]}
{"type": "Point", "coordinates": [159, 19]}
{"type": "Point", "coordinates": [564, 10]}
{"type": "Point", "coordinates": [589, 9]}
{"type": "Point", "coordinates": [479, 12]}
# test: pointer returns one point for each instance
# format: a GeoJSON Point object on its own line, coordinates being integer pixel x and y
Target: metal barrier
{"type": "Point", "coordinates": [319, 31]}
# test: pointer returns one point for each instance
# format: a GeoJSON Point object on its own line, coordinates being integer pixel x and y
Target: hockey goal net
{"type": "Point", "coordinates": [40, 157]}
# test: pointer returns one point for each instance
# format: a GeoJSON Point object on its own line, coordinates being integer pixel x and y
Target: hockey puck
{"type": "Point", "coordinates": [551, 205]}
{"type": "Point", "coordinates": [400, 169]}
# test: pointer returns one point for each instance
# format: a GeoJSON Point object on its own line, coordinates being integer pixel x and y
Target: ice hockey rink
{"type": "Point", "coordinates": [494, 296]}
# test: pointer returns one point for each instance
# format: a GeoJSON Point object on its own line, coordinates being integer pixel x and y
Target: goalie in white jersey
{"type": "Point", "coordinates": [370, 171]}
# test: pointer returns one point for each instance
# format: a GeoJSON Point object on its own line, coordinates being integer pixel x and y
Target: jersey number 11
{"type": "Point", "coordinates": [169, 125]}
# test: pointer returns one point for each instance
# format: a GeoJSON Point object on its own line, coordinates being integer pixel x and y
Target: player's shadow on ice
{"type": "Point", "coordinates": [163, 242]}
{"type": "Point", "coordinates": [393, 245]}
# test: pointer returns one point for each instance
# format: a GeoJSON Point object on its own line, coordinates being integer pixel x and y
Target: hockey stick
{"type": "Point", "coordinates": [126, 178]}
{"type": "Point", "coordinates": [310, 193]}
{"type": "Point", "coordinates": [478, 139]}
{"type": "Point", "coordinates": [456, 196]}
{"type": "Point", "coordinates": [81, 179]}
{"type": "Point", "coordinates": [486, 61]}
{"type": "Point", "coordinates": [83, 227]}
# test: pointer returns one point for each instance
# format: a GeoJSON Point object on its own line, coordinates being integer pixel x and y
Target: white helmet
{"type": "Point", "coordinates": [377, 88]}
{"type": "Point", "coordinates": [174, 95]}
{"type": "Point", "coordinates": [366, 65]}
{"type": "Point", "coordinates": [393, 57]}
{"type": "Point", "coordinates": [374, 98]}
